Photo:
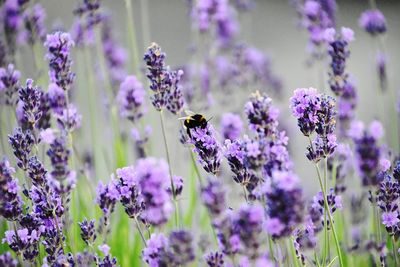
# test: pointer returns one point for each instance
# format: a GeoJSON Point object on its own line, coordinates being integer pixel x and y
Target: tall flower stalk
{"type": "Point", "coordinates": [315, 113]}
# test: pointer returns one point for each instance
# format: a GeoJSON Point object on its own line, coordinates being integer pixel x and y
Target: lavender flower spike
{"type": "Point", "coordinates": [131, 98]}
{"type": "Point", "coordinates": [9, 83]}
{"type": "Point", "coordinates": [59, 46]}
{"type": "Point", "coordinates": [373, 21]}
{"type": "Point", "coordinates": [10, 201]}
{"type": "Point", "coordinates": [206, 147]}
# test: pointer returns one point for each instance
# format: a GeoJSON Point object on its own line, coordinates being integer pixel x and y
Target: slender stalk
{"type": "Point", "coordinates": [170, 168]}
{"type": "Point", "coordinates": [140, 231]}
{"type": "Point", "coordinates": [330, 216]}
{"type": "Point", "coordinates": [245, 194]}
{"type": "Point", "coordinates": [132, 37]}
{"type": "Point", "coordinates": [196, 169]}
{"type": "Point", "coordinates": [394, 251]}
{"type": "Point", "coordinates": [271, 249]}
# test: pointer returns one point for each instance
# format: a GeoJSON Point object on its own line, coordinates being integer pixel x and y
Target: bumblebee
{"type": "Point", "coordinates": [194, 121]}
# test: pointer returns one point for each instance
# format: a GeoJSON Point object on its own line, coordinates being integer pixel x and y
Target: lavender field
{"type": "Point", "coordinates": [170, 133]}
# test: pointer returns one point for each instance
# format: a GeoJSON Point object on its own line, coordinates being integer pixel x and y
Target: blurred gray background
{"type": "Point", "coordinates": [271, 27]}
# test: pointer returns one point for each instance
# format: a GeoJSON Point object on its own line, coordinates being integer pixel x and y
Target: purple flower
{"type": "Point", "coordinates": [213, 196]}
{"type": "Point", "coordinates": [261, 115]}
{"type": "Point", "coordinates": [175, 100]}
{"type": "Point", "coordinates": [88, 231]}
{"type": "Point", "coordinates": [152, 178]}
{"type": "Point", "coordinates": [215, 259]}
{"type": "Point", "coordinates": [367, 151]}
{"type": "Point", "coordinates": [157, 75]}
{"type": "Point", "coordinates": [59, 155]}
{"type": "Point", "coordinates": [56, 97]}
{"type": "Point", "coordinates": [346, 108]}
{"type": "Point", "coordinates": [9, 84]}
{"type": "Point", "coordinates": [59, 46]}
{"type": "Point", "coordinates": [387, 200]}
{"type": "Point", "coordinates": [130, 98]}
{"type": "Point", "coordinates": [338, 52]}
{"type": "Point", "coordinates": [163, 82]}
{"type": "Point", "coordinates": [22, 144]}
{"type": "Point", "coordinates": [105, 249]}
{"type": "Point", "coordinates": [373, 22]}
{"type": "Point", "coordinates": [180, 242]}
{"type": "Point", "coordinates": [10, 201]}
{"type": "Point", "coordinates": [6, 260]}
{"type": "Point", "coordinates": [390, 219]}
{"type": "Point", "coordinates": [318, 206]}
{"type": "Point", "coordinates": [114, 54]}
{"type": "Point", "coordinates": [274, 227]}
{"type": "Point", "coordinates": [305, 104]}
{"type": "Point", "coordinates": [130, 196]}
{"type": "Point", "coordinates": [284, 203]}
{"type": "Point", "coordinates": [155, 254]}
{"type": "Point", "coordinates": [69, 119]}
{"type": "Point", "coordinates": [248, 226]}
{"type": "Point", "coordinates": [31, 97]}
{"type": "Point", "coordinates": [34, 23]}
{"type": "Point", "coordinates": [241, 163]}
{"type": "Point", "coordinates": [206, 147]}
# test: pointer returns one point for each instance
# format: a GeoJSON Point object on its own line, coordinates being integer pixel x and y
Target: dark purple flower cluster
{"type": "Point", "coordinates": [284, 203]}
{"type": "Point", "coordinates": [318, 207]}
{"type": "Point", "coordinates": [24, 241]}
{"type": "Point", "coordinates": [231, 126]}
{"type": "Point", "coordinates": [175, 250]}
{"type": "Point", "coordinates": [343, 165]}
{"type": "Point", "coordinates": [59, 46]}
{"type": "Point", "coordinates": [11, 16]}
{"type": "Point", "coordinates": [130, 196]}
{"type": "Point", "coordinates": [317, 16]}
{"type": "Point", "coordinates": [59, 155]}
{"type": "Point", "coordinates": [6, 260]}
{"type": "Point", "coordinates": [88, 231]}
{"type": "Point", "coordinates": [347, 103]}
{"type": "Point", "coordinates": [107, 197]}
{"type": "Point", "coordinates": [367, 150]}
{"type": "Point", "coordinates": [215, 259]}
{"type": "Point", "coordinates": [315, 112]}
{"type": "Point", "coordinates": [130, 99]}
{"type": "Point", "coordinates": [10, 201]}
{"type": "Point", "coordinates": [69, 119]}
{"type": "Point", "coordinates": [304, 239]}
{"type": "Point", "coordinates": [261, 115]}
{"type": "Point", "coordinates": [56, 98]}
{"type": "Point", "coordinates": [31, 96]}
{"type": "Point", "coordinates": [163, 82]}
{"type": "Point", "coordinates": [34, 24]}
{"type": "Point", "coordinates": [387, 199]}
{"type": "Point", "coordinates": [215, 14]}
{"type": "Point", "coordinates": [207, 147]}
{"type": "Point", "coordinates": [240, 232]}
{"type": "Point", "coordinates": [373, 22]}
{"type": "Point", "coordinates": [305, 104]}
{"type": "Point", "coordinates": [338, 52]}
{"type": "Point", "coordinates": [22, 144]}
{"type": "Point", "coordinates": [243, 157]}
{"type": "Point", "coordinates": [87, 17]}
{"type": "Point", "coordinates": [115, 55]}
{"type": "Point", "coordinates": [152, 178]}
{"type": "Point", "coordinates": [9, 84]}
{"type": "Point", "coordinates": [213, 196]}
{"type": "Point", "coordinates": [251, 65]}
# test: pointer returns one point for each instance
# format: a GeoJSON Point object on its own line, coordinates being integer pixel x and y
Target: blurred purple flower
{"type": "Point", "coordinates": [373, 22]}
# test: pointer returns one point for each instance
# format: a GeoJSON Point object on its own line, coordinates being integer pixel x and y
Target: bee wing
{"type": "Point", "coordinates": [189, 112]}
{"type": "Point", "coordinates": [183, 118]}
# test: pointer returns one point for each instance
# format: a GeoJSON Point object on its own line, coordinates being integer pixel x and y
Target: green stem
{"type": "Point", "coordinates": [394, 251]}
{"type": "Point", "coordinates": [170, 168]}
{"type": "Point", "coordinates": [132, 36]}
{"type": "Point", "coordinates": [140, 232]}
{"type": "Point", "coordinates": [330, 216]}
